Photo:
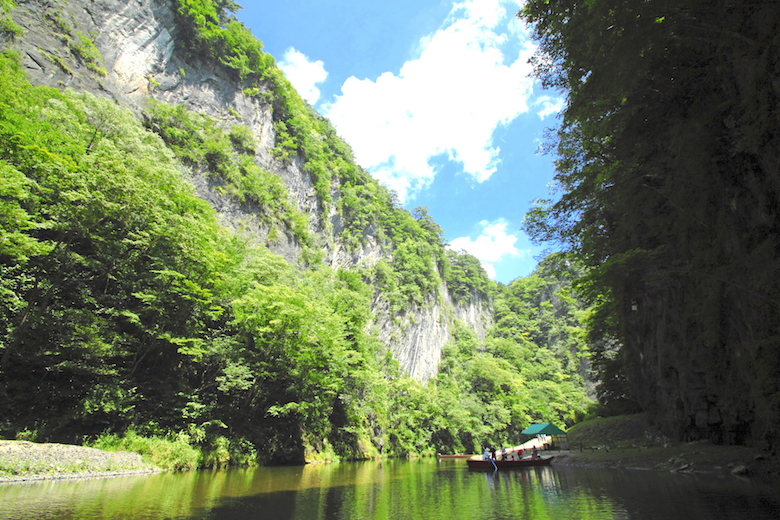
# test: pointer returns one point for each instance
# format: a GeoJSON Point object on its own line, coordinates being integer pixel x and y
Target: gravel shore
{"type": "Point", "coordinates": [24, 461]}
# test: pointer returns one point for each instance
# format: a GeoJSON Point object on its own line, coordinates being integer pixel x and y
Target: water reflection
{"type": "Point", "coordinates": [426, 488]}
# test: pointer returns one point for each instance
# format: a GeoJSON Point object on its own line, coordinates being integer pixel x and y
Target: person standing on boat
{"type": "Point", "coordinates": [503, 453]}
{"type": "Point", "coordinates": [493, 452]}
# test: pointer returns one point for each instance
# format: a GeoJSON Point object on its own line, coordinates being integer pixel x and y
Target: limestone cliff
{"type": "Point", "coordinates": [416, 337]}
{"type": "Point", "coordinates": [141, 54]}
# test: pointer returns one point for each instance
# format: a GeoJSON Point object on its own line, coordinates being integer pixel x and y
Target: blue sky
{"type": "Point", "coordinates": [436, 99]}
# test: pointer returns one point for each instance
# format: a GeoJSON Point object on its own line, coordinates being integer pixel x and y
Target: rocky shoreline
{"type": "Point", "coordinates": [23, 461]}
{"type": "Point", "coordinates": [694, 457]}
{"type": "Point", "coordinates": [634, 442]}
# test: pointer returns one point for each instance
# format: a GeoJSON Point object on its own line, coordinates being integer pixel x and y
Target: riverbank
{"type": "Point", "coordinates": [22, 461]}
{"type": "Point", "coordinates": [628, 442]}
{"type": "Point", "coordinates": [632, 442]}
{"type": "Point", "coordinates": [696, 457]}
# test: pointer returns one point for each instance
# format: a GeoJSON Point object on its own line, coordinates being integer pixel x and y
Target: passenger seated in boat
{"type": "Point", "coordinates": [486, 455]}
{"type": "Point", "coordinates": [535, 454]}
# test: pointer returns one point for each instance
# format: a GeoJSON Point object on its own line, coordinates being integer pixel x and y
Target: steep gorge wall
{"type": "Point", "coordinates": [417, 336]}
{"type": "Point", "coordinates": [137, 42]}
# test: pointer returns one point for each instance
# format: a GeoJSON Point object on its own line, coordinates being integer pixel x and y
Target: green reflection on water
{"type": "Point", "coordinates": [427, 489]}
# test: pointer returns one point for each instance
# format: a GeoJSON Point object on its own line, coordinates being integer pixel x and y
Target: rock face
{"type": "Point", "coordinates": [137, 44]}
{"type": "Point", "coordinates": [417, 337]}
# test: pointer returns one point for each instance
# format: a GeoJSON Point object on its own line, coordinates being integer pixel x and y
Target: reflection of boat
{"type": "Point", "coordinates": [507, 464]}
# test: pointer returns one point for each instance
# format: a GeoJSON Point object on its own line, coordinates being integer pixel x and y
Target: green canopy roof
{"type": "Point", "coordinates": [545, 428]}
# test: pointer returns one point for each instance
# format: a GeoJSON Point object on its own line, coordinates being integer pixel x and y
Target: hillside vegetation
{"type": "Point", "coordinates": [127, 311]}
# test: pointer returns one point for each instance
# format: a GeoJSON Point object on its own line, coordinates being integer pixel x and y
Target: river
{"type": "Point", "coordinates": [395, 489]}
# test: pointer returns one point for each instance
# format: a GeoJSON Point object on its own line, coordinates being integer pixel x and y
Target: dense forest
{"type": "Point", "coordinates": [128, 311]}
{"type": "Point", "coordinates": [667, 194]}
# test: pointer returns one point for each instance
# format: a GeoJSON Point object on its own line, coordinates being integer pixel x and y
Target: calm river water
{"type": "Point", "coordinates": [425, 489]}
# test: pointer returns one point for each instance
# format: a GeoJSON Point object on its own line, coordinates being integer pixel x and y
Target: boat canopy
{"type": "Point", "coordinates": [543, 429]}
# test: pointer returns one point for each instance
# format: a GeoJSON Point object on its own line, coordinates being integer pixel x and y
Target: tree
{"type": "Point", "coordinates": [668, 196]}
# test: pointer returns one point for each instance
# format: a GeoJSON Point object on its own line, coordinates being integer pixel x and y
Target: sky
{"type": "Point", "coordinates": [437, 101]}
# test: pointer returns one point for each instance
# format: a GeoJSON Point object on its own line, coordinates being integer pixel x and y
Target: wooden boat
{"type": "Point", "coordinates": [508, 464]}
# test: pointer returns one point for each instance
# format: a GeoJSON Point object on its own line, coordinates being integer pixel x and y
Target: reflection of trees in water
{"type": "Point", "coordinates": [395, 489]}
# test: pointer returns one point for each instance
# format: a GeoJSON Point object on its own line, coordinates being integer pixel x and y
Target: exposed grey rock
{"type": "Point", "coordinates": [417, 337]}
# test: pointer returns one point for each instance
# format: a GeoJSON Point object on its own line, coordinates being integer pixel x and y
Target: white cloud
{"type": "Point", "coordinates": [303, 74]}
{"type": "Point", "coordinates": [549, 105]}
{"type": "Point", "coordinates": [471, 76]}
{"type": "Point", "coordinates": [491, 246]}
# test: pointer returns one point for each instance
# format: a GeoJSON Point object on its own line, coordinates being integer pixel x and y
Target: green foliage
{"type": "Point", "coordinates": [667, 193]}
{"type": "Point", "coordinates": [242, 139]}
{"type": "Point", "coordinates": [7, 25]}
{"type": "Point", "coordinates": [466, 279]}
{"type": "Point", "coordinates": [15, 222]}
{"type": "Point", "coordinates": [415, 239]}
{"type": "Point", "coordinates": [543, 309]}
{"type": "Point", "coordinates": [119, 261]}
{"type": "Point", "coordinates": [213, 32]}
{"type": "Point", "coordinates": [527, 370]}
{"type": "Point", "coordinates": [59, 22]}
{"type": "Point", "coordinates": [208, 29]}
{"type": "Point", "coordinates": [57, 61]}
{"type": "Point", "coordinates": [121, 294]}
{"type": "Point", "coordinates": [108, 254]}
{"type": "Point", "coordinates": [199, 141]}
{"type": "Point", "coordinates": [171, 453]}
{"type": "Point", "coordinates": [503, 384]}
{"type": "Point", "coordinates": [85, 49]}
{"type": "Point", "coordinates": [419, 261]}
{"type": "Point", "coordinates": [27, 435]}
{"type": "Point", "coordinates": [151, 83]}
{"type": "Point", "coordinates": [364, 204]}
{"type": "Point", "coordinates": [287, 324]}
{"type": "Point", "coordinates": [126, 311]}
